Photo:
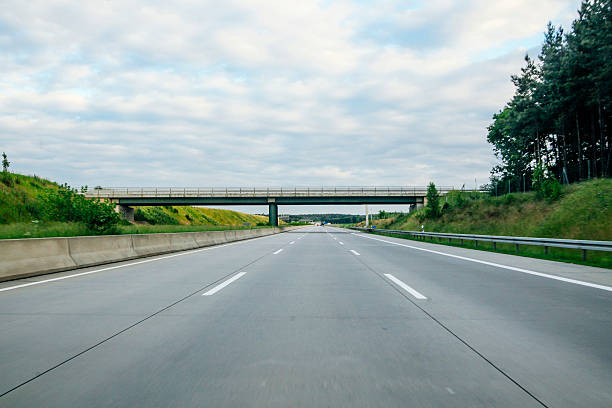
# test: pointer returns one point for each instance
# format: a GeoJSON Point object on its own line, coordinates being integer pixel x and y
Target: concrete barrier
{"type": "Point", "coordinates": [151, 244]}
{"type": "Point", "coordinates": [37, 256]}
{"type": "Point", "coordinates": [87, 251]}
{"type": "Point", "coordinates": [204, 239]}
{"type": "Point", "coordinates": [33, 256]}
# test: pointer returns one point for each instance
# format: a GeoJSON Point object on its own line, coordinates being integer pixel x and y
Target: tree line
{"type": "Point", "coordinates": [557, 124]}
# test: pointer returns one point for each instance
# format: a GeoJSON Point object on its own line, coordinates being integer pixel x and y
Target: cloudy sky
{"type": "Point", "coordinates": [245, 93]}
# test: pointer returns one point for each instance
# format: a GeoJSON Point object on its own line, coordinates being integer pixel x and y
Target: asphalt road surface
{"type": "Point", "coordinates": [318, 317]}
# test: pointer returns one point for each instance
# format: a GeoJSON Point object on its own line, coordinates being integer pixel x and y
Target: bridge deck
{"type": "Point", "coordinates": [255, 192]}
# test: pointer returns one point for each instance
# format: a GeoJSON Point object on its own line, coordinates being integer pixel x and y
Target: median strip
{"type": "Point", "coordinates": [224, 284]}
{"type": "Point", "coordinates": [405, 287]}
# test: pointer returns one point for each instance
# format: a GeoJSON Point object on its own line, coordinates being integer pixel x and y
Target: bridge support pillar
{"type": "Point", "coordinates": [126, 212]}
{"type": "Point", "coordinates": [273, 214]}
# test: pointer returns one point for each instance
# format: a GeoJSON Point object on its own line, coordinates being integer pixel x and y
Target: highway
{"type": "Point", "coordinates": [316, 317]}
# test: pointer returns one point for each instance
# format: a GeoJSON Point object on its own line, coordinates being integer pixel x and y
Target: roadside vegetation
{"type": "Point", "coordinates": [559, 117]}
{"type": "Point", "coordinates": [578, 211]}
{"type": "Point", "coordinates": [33, 207]}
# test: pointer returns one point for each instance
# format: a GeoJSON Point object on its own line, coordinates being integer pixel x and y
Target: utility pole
{"type": "Point", "coordinates": [367, 218]}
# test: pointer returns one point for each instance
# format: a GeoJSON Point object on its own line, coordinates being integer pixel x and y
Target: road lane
{"type": "Point", "coordinates": [313, 325]}
{"type": "Point", "coordinates": [552, 336]}
{"type": "Point", "coordinates": [46, 324]}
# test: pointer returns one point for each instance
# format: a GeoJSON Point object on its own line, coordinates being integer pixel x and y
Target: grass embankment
{"type": "Point", "coordinates": [584, 211]}
{"type": "Point", "coordinates": [21, 215]}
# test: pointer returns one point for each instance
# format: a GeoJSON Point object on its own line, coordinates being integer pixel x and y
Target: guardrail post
{"type": "Point", "coordinates": [494, 245]}
{"type": "Point", "coordinates": [584, 257]}
{"type": "Point", "coordinates": [545, 250]}
{"type": "Point", "coordinates": [476, 241]}
{"type": "Point", "coordinates": [517, 248]}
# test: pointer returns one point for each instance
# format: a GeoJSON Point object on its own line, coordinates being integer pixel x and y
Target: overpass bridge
{"type": "Point", "coordinates": [126, 197]}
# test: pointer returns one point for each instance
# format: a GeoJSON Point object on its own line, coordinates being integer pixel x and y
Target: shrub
{"type": "Point", "coordinates": [65, 204]}
{"type": "Point", "coordinates": [139, 215]}
{"type": "Point", "coordinates": [6, 179]}
{"type": "Point", "coordinates": [551, 189]}
{"type": "Point", "coordinates": [433, 202]}
{"type": "Point", "coordinates": [545, 184]}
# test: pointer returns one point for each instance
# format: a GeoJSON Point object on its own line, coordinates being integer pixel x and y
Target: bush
{"type": "Point", "coordinates": [139, 215]}
{"type": "Point", "coordinates": [66, 205]}
{"type": "Point", "coordinates": [551, 189]}
{"type": "Point", "coordinates": [421, 214]}
{"type": "Point", "coordinates": [545, 184]}
{"type": "Point", "coordinates": [433, 202]}
{"type": "Point", "coordinates": [6, 179]}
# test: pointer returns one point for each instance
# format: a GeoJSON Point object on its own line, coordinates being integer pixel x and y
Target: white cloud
{"type": "Point", "coordinates": [260, 92]}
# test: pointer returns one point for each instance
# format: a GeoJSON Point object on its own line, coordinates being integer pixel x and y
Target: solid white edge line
{"type": "Point", "coordinates": [405, 287]}
{"type": "Point", "coordinates": [355, 252]}
{"type": "Point", "coordinates": [224, 284]}
{"type": "Point", "coordinates": [512, 268]}
{"type": "Point", "coordinates": [193, 251]}
{"type": "Point", "coordinates": [278, 252]}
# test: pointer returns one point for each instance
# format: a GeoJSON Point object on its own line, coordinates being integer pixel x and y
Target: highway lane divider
{"type": "Point", "coordinates": [407, 288]}
{"type": "Point", "coordinates": [23, 258]}
{"type": "Point", "coordinates": [224, 284]}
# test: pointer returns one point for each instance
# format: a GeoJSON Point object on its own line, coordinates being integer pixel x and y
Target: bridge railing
{"type": "Point", "coordinates": [141, 192]}
{"type": "Point", "coordinates": [579, 244]}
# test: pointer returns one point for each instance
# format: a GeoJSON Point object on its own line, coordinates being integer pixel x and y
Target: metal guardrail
{"type": "Point", "coordinates": [209, 192]}
{"type": "Point", "coordinates": [584, 245]}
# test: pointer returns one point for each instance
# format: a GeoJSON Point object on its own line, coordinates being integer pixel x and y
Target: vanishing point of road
{"type": "Point", "coordinates": [316, 317]}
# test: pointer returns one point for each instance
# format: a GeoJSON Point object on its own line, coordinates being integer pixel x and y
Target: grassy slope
{"type": "Point", "coordinates": [19, 199]}
{"type": "Point", "coordinates": [19, 206]}
{"type": "Point", "coordinates": [583, 212]}
{"type": "Point", "coordinates": [208, 216]}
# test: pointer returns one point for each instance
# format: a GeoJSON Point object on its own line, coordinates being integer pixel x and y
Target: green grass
{"type": "Point", "coordinates": [71, 229]}
{"type": "Point", "coordinates": [594, 258]}
{"type": "Point", "coordinates": [151, 229]}
{"type": "Point", "coordinates": [42, 230]}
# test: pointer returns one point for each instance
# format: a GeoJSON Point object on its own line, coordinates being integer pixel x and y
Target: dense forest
{"type": "Point", "coordinates": [557, 124]}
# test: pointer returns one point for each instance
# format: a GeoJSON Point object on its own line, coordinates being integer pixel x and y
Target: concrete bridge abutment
{"type": "Point", "coordinates": [126, 212]}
